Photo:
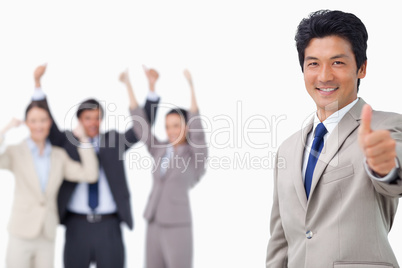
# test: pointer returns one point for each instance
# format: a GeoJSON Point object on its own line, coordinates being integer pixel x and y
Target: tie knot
{"type": "Point", "coordinates": [320, 131]}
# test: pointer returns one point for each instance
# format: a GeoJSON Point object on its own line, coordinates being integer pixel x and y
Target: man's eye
{"type": "Point", "coordinates": [338, 62]}
{"type": "Point", "coordinates": [312, 64]}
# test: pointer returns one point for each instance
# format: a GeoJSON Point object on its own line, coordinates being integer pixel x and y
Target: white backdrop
{"type": "Point", "coordinates": [243, 59]}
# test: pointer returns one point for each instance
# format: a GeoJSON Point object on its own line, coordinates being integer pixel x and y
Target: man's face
{"type": "Point", "coordinates": [330, 73]}
{"type": "Point", "coordinates": [90, 120]}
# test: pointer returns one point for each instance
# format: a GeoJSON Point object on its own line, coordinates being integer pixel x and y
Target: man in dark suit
{"type": "Point", "coordinates": [92, 213]}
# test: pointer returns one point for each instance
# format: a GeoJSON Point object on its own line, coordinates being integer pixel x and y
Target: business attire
{"type": "Point", "coordinates": [168, 213]}
{"type": "Point", "coordinates": [93, 215]}
{"type": "Point", "coordinates": [38, 177]}
{"type": "Point", "coordinates": [345, 221]}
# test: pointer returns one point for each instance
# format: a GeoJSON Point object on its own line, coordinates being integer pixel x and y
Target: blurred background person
{"type": "Point", "coordinates": [179, 165]}
{"type": "Point", "coordinates": [93, 213]}
{"type": "Point", "coordinates": [39, 169]}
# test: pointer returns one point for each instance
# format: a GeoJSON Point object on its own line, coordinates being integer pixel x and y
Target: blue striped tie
{"type": "Point", "coordinates": [318, 143]}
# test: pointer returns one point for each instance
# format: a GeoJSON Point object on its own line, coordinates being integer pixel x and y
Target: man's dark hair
{"type": "Point", "coordinates": [179, 111]}
{"type": "Point", "coordinates": [89, 104]}
{"type": "Point", "coordinates": [36, 104]}
{"type": "Point", "coordinates": [325, 23]}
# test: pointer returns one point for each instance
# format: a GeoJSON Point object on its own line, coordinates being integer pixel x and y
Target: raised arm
{"type": "Point", "coordinates": [38, 73]}
{"type": "Point", "coordinates": [126, 81]}
{"type": "Point", "coordinates": [196, 134]}
{"type": "Point", "coordinates": [12, 124]}
{"type": "Point", "coordinates": [194, 105]}
{"type": "Point", "coordinates": [151, 105]}
{"type": "Point", "coordinates": [129, 136]}
{"type": "Point", "coordinates": [4, 156]}
{"type": "Point", "coordinates": [56, 136]}
{"type": "Point", "coordinates": [141, 124]}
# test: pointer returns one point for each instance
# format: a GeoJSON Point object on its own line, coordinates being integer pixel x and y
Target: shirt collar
{"type": "Point", "coordinates": [95, 140]}
{"type": "Point", "coordinates": [169, 149]}
{"type": "Point", "coordinates": [333, 120]}
{"type": "Point", "coordinates": [35, 150]}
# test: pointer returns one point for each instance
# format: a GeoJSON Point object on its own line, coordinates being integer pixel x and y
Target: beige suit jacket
{"type": "Point", "coordinates": [169, 202]}
{"type": "Point", "coordinates": [35, 212]}
{"type": "Point", "coordinates": [347, 218]}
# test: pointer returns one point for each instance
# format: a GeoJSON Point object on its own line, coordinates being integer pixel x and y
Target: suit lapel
{"type": "Point", "coordinates": [299, 153]}
{"type": "Point", "coordinates": [331, 148]}
{"type": "Point", "coordinates": [32, 176]}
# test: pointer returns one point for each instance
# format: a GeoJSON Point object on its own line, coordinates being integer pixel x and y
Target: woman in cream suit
{"type": "Point", "coordinates": [39, 169]}
{"type": "Point", "coordinates": [179, 165]}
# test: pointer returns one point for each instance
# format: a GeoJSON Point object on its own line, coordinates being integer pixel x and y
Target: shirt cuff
{"type": "Point", "coordinates": [391, 176]}
{"type": "Point", "coordinates": [152, 96]}
{"type": "Point", "coordinates": [38, 94]}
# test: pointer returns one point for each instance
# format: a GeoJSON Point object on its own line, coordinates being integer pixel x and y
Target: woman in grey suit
{"type": "Point", "coordinates": [179, 165]}
{"type": "Point", "coordinates": [39, 169]}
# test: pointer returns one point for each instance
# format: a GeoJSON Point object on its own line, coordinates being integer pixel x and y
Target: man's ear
{"type": "Point", "coordinates": [361, 73]}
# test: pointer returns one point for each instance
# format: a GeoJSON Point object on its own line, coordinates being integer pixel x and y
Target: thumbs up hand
{"type": "Point", "coordinates": [378, 146]}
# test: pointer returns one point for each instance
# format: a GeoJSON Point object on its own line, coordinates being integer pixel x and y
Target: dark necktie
{"type": "Point", "coordinates": [93, 189]}
{"type": "Point", "coordinates": [316, 148]}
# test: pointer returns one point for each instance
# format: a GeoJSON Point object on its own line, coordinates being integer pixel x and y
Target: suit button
{"type": "Point", "coordinates": [309, 234]}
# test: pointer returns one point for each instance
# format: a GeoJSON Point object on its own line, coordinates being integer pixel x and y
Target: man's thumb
{"type": "Point", "coordinates": [365, 122]}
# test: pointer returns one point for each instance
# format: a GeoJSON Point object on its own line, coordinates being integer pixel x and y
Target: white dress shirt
{"type": "Point", "coordinates": [330, 123]}
{"type": "Point", "coordinates": [79, 199]}
{"type": "Point", "coordinates": [41, 161]}
{"type": "Point", "coordinates": [166, 159]}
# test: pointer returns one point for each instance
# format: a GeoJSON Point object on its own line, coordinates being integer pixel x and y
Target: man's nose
{"type": "Point", "coordinates": [325, 74]}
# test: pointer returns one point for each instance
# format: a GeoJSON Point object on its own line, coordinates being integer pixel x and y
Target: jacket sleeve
{"type": "Point", "coordinates": [198, 146]}
{"type": "Point", "coordinates": [150, 110]}
{"type": "Point", "coordinates": [86, 171]}
{"type": "Point", "coordinates": [277, 251]}
{"type": "Point", "coordinates": [56, 136]}
{"type": "Point", "coordinates": [393, 123]}
{"type": "Point", "coordinates": [142, 130]}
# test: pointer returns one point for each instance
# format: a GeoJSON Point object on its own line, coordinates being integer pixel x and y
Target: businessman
{"type": "Point", "coordinates": [92, 213]}
{"type": "Point", "coordinates": [336, 198]}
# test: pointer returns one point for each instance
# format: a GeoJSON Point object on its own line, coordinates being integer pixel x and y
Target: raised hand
{"type": "Point", "coordinates": [152, 76]}
{"type": "Point", "coordinates": [194, 105]}
{"type": "Point", "coordinates": [79, 132]}
{"type": "Point", "coordinates": [187, 74]}
{"type": "Point", "coordinates": [14, 122]}
{"type": "Point", "coordinates": [378, 146]}
{"type": "Point", "coordinates": [124, 78]}
{"type": "Point", "coordinates": [38, 73]}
